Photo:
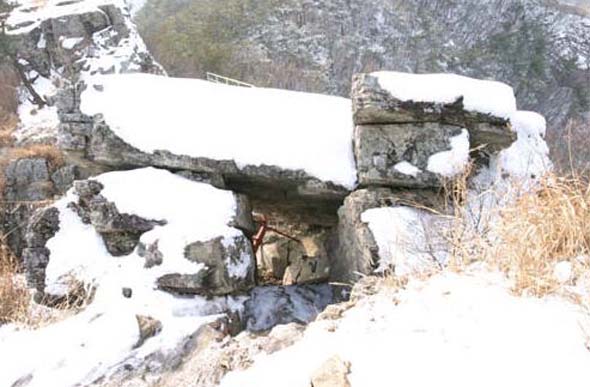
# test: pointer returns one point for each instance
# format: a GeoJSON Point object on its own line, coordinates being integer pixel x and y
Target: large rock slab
{"type": "Point", "coordinates": [374, 104]}
{"type": "Point", "coordinates": [262, 142]}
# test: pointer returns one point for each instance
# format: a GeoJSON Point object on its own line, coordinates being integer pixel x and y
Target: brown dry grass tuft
{"type": "Point", "coordinates": [542, 229]}
{"type": "Point", "coordinates": [9, 82]}
{"type": "Point", "coordinates": [14, 297]}
{"type": "Point", "coordinates": [529, 236]}
{"type": "Point", "coordinates": [49, 152]}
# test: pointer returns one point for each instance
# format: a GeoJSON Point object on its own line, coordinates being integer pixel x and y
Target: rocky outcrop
{"type": "Point", "coordinates": [94, 142]}
{"type": "Point", "coordinates": [42, 227]}
{"type": "Point", "coordinates": [226, 270]}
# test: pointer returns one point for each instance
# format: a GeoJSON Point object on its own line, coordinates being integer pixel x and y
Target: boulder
{"type": "Point", "coordinates": [310, 266]}
{"type": "Point", "coordinates": [178, 244]}
{"type": "Point", "coordinates": [42, 226]}
{"type": "Point", "coordinates": [226, 269]}
{"type": "Point", "coordinates": [28, 179]}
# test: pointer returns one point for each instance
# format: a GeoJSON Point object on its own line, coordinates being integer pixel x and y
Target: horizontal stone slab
{"type": "Point", "coordinates": [372, 104]}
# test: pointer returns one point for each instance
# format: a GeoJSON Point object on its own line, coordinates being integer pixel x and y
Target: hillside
{"type": "Point", "coordinates": [537, 46]}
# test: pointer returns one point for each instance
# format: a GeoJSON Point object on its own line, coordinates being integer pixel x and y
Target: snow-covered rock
{"type": "Point", "coordinates": [168, 231]}
{"type": "Point", "coordinates": [482, 107]}
{"type": "Point", "coordinates": [60, 44]}
{"type": "Point", "coordinates": [379, 231]}
{"type": "Point", "coordinates": [413, 130]}
{"type": "Point", "coordinates": [254, 135]}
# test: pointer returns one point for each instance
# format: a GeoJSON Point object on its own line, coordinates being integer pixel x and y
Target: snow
{"type": "Point", "coordinates": [452, 330]}
{"type": "Point", "coordinates": [454, 161]}
{"type": "Point", "coordinates": [407, 168]}
{"type": "Point", "coordinates": [408, 239]}
{"type": "Point", "coordinates": [488, 97]}
{"type": "Point", "coordinates": [528, 156]}
{"type": "Point", "coordinates": [252, 126]}
{"type": "Point", "coordinates": [70, 43]}
{"type": "Point", "coordinates": [102, 337]}
{"type": "Point", "coordinates": [563, 271]}
{"type": "Point", "coordinates": [37, 124]}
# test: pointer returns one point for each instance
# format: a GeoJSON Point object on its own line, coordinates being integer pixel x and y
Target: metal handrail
{"type": "Point", "coordinates": [216, 78]}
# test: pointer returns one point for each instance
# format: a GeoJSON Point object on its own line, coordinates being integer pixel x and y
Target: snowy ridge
{"type": "Point", "coordinates": [252, 126]}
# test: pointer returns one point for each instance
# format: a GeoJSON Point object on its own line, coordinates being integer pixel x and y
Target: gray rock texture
{"type": "Point", "coordinates": [230, 268]}
{"type": "Point", "coordinates": [379, 148]}
{"type": "Point", "coordinates": [43, 226]}
{"type": "Point", "coordinates": [120, 232]}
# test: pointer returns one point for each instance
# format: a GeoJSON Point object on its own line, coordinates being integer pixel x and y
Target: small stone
{"type": "Point", "coordinates": [127, 292]}
{"type": "Point", "coordinates": [333, 373]}
{"type": "Point", "coordinates": [148, 327]}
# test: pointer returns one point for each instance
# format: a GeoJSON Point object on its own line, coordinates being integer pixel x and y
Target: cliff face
{"type": "Point", "coordinates": [540, 47]}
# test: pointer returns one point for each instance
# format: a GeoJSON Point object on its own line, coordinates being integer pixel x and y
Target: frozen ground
{"type": "Point", "coordinates": [451, 330]}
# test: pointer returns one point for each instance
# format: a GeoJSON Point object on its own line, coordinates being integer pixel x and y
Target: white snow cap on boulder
{"type": "Point", "coordinates": [252, 126]}
{"type": "Point", "coordinates": [488, 97]}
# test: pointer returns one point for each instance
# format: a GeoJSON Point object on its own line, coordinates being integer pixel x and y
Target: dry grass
{"type": "Point", "coordinates": [9, 82]}
{"type": "Point", "coordinates": [49, 152]}
{"type": "Point", "coordinates": [14, 297]}
{"type": "Point", "coordinates": [529, 236]}
{"type": "Point", "coordinates": [542, 229]}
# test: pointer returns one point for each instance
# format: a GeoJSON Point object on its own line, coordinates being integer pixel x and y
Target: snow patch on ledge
{"type": "Point", "coordinates": [407, 168]}
{"type": "Point", "coordinates": [488, 97]}
{"type": "Point", "coordinates": [252, 126]}
{"type": "Point", "coordinates": [454, 161]}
